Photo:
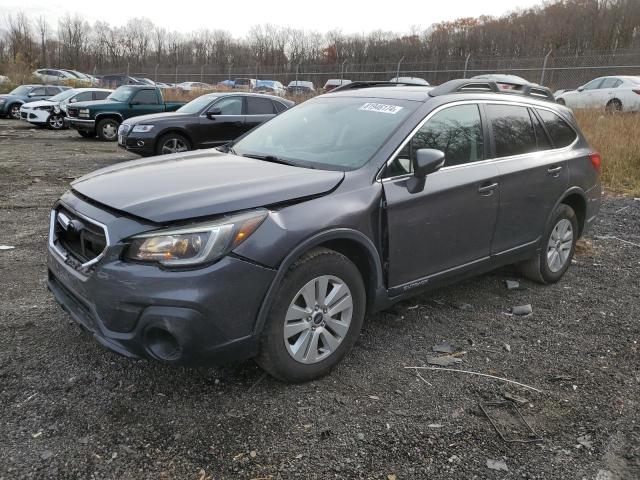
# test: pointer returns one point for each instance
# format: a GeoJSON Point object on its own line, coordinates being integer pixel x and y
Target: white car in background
{"type": "Point", "coordinates": [188, 86]}
{"type": "Point", "coordinates": [51, 112]}
{"type": "Point", "coordinates": [613, 94]}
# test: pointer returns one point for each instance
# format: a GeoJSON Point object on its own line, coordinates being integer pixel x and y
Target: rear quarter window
{"type": "Point", "coordinates": [561, 133]}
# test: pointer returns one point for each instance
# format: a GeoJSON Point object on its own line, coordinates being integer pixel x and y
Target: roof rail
{"type": "Point", "coordinates": [470, 85]}
{"type": "Point", "coordinates": [373, 83]}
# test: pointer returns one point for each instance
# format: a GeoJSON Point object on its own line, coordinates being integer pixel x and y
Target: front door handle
{"type": "Point", "coordinates": [554, 171]}
{"type": "Point", "coordinates": [487, 190]}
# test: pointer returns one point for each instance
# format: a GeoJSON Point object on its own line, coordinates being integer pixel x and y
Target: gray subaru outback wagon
{"type": "Point", "coordinates": [277, 246]}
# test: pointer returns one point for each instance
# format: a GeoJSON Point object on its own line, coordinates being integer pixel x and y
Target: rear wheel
{"type": "Point", "coordinates": [315, 319]}
{"type": "Point", "coordinates": [14, 111]}
{"type": "Point", "coordinates": [107, 129]}
{"type": "Point", "coordinates": [87, 134]}
{"type": "Point", "coordinates": [55, 122]}
{"type": "Point", "coordinates": [172, 143]}
{"type": "Point", "coordinates": [556, 248]}
{"type": "Point", "coordinates": [614, 106]}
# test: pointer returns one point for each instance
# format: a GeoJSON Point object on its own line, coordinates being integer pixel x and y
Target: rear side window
{"type": "Point", "coordinates": [146, 97]}
{"type": "Point", "coordinates": [561, 133]}
{"type": "Point", "coordinates": [512, 130]}
{"type": "Point", "coordinates": [53, 90]}
{"type": "Point", "coordinates": [259, 106]}
{"type": "Point", "coordinates": [100, 95]}
{"type": "Point", "coordinates": [280, 107]}
{"type": "Point", "coordinates": [541, 136]}
{"type": "Point", "coordinates": [83, 97]}
{"type": "Point", "coordinates": [611, 82]}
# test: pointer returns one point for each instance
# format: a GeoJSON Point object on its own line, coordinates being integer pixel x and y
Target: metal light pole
{"type": "Point", "coordinates": [398, 69]}
{"type": "Point", "coordinates": [466, 65]}
{"type": "Point", "coordinates": [544, 66]}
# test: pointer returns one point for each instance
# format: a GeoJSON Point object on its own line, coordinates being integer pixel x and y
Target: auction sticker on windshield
{"type": "Point", "coordinates": [381, 107]}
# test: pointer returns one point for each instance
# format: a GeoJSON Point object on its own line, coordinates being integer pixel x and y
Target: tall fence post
{"type": "Point", "coordinates": [297, 68]}
{"type": "Point", "coordinates": [230, 65]}
{"type": "Point", "coordinates": [398, 69]}
{"type": "Point", "coordinates": [127, 69]}
{"type": "Point", "coordinates": [342, 71]}
{"type": "Point", "coordinates": [176, 80]}
{"type": "Point", "coordinates": [155, 73]}
{"type": "Point", "coordinates": [202, 73]}
{"type": "Point", "coordinates": [544, 66]}
{"type": "Point", "coordinates": [466, 65]}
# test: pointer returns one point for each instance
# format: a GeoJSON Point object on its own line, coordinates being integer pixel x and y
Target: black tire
{"type": "Point", "coordinates": [613, 106]}
{"type": "Point", "coordinates": [172, 138]}
{"type": "Point", "coordinates": [87, 134]}
{"type": "Point", "coordinates": [274, 357]}
{"type": "Point", "coordinates": [107, 125]}
{"type": "Point", "coordinates": [537, 268]}
{"type": "Point", "coordinates": [14, 111]}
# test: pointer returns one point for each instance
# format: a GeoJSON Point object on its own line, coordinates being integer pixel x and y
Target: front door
{"type": "Point", "coordinates": [220, 128]}
{"type": "Point", "coordinates": [449, 225]}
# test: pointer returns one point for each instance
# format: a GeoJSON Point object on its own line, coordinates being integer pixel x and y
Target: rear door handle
{"type": "Point", "coordinates": [554, 171]}
{"type": "Point", "coordinates": [487, 190]}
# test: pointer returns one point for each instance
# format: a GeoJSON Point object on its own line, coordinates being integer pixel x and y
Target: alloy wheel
{"type": "Point", "coordinates": [56, 122]}
{"type": "Point", "coordinates": [318, 319]}
{"type": "Point", "coordinates": [559, 246]}
{"type": "Point", "coordinates": [174, 145]}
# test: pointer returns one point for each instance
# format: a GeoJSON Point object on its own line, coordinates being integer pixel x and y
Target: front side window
{"type": "Point", "coordinates": [52, 90]}
{"type": "Point", "coordinates": [512, 130]}
{"type": "Point", "coordinates": [559, 130]}
{"type": "Point", "coordinates": [100, 95]}
{"type": "Point", "coordinates": [229, 106]}
{"type": "Point", "coordinates": [145, 97]}
{"type": "Point", "coordinates": [197, 104]}
{"type": "Point", "coordinates": [259, 106]}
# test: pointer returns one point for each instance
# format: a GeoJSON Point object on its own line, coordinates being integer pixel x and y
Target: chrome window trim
{"type": "Point", "coordinates": [478, 162]}
{"type": "Point", "coordinates": [63, 253]}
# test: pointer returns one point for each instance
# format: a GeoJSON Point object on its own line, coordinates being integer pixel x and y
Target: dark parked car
{"type": "Point", "coordinates": [102, 118]}
{"type": "Point", "coordinates": [208, 121]}
{"type": "Point", "coordinates": [11, 102]}
{"type": "Point", "coordinates": [278, 246]}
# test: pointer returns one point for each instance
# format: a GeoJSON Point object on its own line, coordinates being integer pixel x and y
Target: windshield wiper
{"type": "Point", "coordinates": [271, 158]}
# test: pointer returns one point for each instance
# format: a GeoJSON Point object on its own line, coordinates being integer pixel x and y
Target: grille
{"type": "Point", "coordinates": [81, 238]}
{"type": "Point", "coordinates": [72, 112]}
{"type": "Point", "coordinates": [23, 114]}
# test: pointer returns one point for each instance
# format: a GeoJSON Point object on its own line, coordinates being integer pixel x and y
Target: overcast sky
{"type": "Point", "coordinates": [236, 16]}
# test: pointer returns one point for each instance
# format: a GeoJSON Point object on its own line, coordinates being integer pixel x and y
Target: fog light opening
{"type": "Point", "coordinates": [162, 344]}
{"type": "Point", "coordinates": [140, 143]}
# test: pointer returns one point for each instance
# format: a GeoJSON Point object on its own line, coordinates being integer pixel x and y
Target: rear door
{"type": "Point", "coordinates": [223, 127]}
{"type": "Point", "coordinates": [532, 175]}
{"type": "Point", "coordinates": [259, 110]}
{"type": "Point", "coordinates": [447, 227]}
{"type": "Point", "coordinates": [606, 92]}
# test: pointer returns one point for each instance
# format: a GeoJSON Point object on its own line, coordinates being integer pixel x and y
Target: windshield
{"type": "Point", "coordinates": [63, 95]}
{"type": "Point", "coordinates": [330, 133]}
{"type": "Point", "coordinates": [21, 90]}
{"type": "Point", "coordinates": [194, 106]}
{"type": "Point", "coordinates": [122, 94]}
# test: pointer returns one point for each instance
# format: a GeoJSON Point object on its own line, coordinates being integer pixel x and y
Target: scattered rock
{"type": "Point", "coordinates": [443, 347]}
{"type": "Point", "coordinates": [46, 455]}
{"type": "Point", "coordinates": [585, 441]}
{"type": "Point", "coordinates": [444, 361]}
{"type": "Point", "coordinates": [522, 310]}
{"type": "Point", "coordinates": [507, 347]}
{"type": "Point", "coordinates": [435, 425]}
{"type": "Point", "coordinates": [454, 459]}
{"type": "Point", "coordinates": [253, 454]}
{"type": "Point", "coordinates": [512, 284]}
{"type": "Point", "coordinates": [6, 247]}
{"type": "Point", "coordinates": [497, 465]}
{"type": "Point", "coordinates": [467, 307]}
{"type": "Point", "coordinates": [84, 440]}
{"type": "Point", "coordinates": [361, 436]}
{"type": "Point", "coordinates": [606, 474]}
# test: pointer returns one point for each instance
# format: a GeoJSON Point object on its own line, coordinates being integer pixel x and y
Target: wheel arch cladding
{"type": "Point", "coordinates": [111, 115]}
{"type": "Point", "coordinates": [352, 244]}
{"type": "Point", "coordinates": [177, 131]}
{"type": "Point", "coordinates": [579, 205]}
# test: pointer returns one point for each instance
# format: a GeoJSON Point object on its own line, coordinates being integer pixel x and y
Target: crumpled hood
{"type": "Point", "coordinates": [40, 103]}
{"type": "Point", "coordinates": [198, 184]}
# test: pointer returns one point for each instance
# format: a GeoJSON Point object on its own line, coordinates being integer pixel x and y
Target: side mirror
{"type": "Point", "coordinates": [580, 88]}
{"type": "Point", "coordinates": [211, 114]}
{"type": "Point", "coordinates": [425, 162]}
{"type": "Point", "coordinates": [30, 95]}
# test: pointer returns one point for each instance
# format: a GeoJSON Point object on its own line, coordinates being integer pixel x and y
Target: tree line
{"type": "Point", "coordinates": [570, 26]}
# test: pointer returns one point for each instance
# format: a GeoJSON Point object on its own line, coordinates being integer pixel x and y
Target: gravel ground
{"type": "Point", "coordinates": [71, 409]}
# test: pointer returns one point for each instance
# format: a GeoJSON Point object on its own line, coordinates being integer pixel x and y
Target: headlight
{"type": "Point", "coordinates": [2, 100]}
{"type": "Point", "coordinates": [197, 244]}
{"type": "Point", "coordinates": [142, 128]}
{"type": "Point", "coordinates": [83, 112]}
{"type": "Point", "coordinates": [45, 107]}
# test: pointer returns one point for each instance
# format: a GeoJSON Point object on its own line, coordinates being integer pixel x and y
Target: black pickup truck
{"type": "Point", "coordinates": [103, 117]}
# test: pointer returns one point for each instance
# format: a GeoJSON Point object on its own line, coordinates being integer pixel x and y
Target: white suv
{"type": "Point", "coordinates": [51, 112]}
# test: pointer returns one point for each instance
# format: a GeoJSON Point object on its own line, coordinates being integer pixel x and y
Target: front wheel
{"type": "Point", "coordinates": [315, 319]}
{"type": "Point", "coordinates": [55, 122]}
{"type": "Point", "coordinates": [614, 106]}
{"type": "Point", "coordinates": [556, 248]}
{"type": "Point", "coordinates": [172, 143]}
{"type": "Point", "coordinates": [107, 129]}
{"type": "Point", "coordinates": [14, 111]}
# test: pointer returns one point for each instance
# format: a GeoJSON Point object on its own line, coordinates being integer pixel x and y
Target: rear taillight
{"type": "Point", "coordinates": [596, 160]}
